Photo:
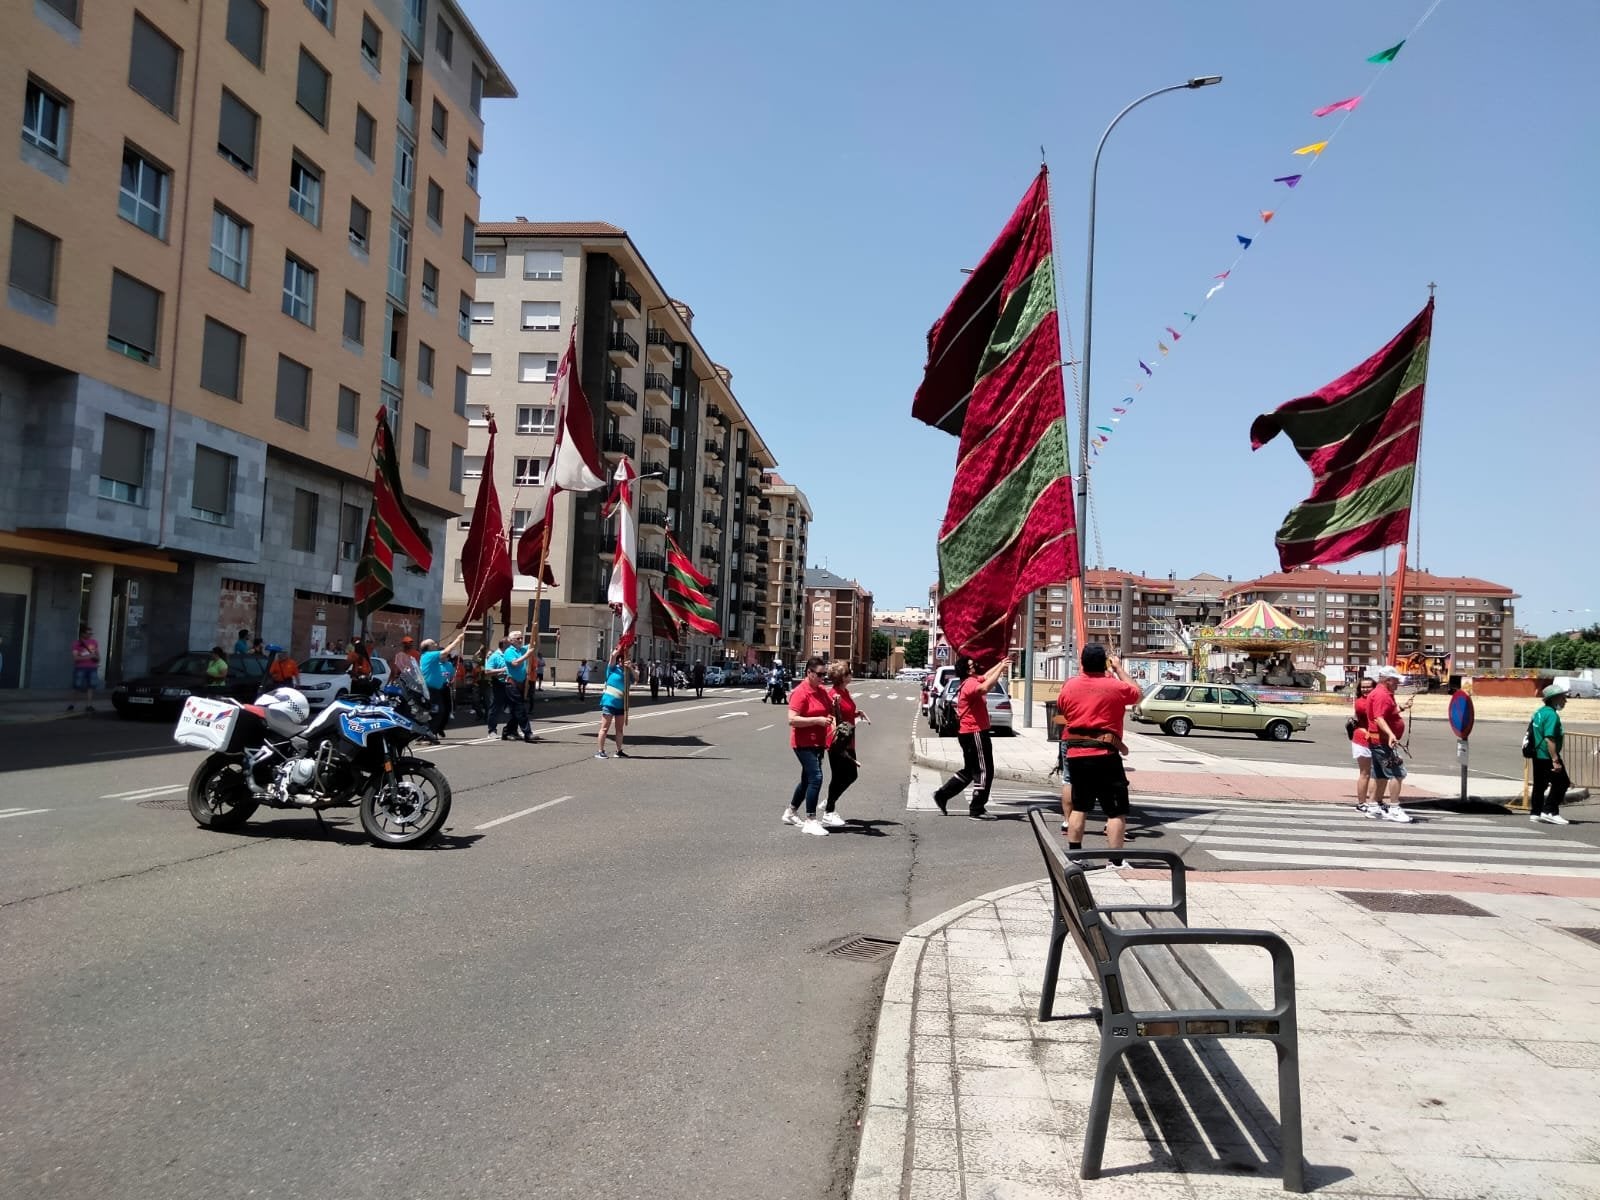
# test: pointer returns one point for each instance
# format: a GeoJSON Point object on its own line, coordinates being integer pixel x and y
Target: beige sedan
{"type": "Point", "coordinates": [1180, 707]}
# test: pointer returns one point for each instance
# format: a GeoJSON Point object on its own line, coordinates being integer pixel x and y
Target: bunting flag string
{"type": "Point", "coordinates": [1314, 152]}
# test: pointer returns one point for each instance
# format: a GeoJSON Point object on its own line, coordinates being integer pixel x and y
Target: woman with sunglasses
{"type": "Point", "coordinates": [842, 764]}
{"type": "Point", "coordinates": [810, 726]}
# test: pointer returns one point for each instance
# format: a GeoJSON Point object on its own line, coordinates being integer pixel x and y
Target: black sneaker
{"type": "Point", "coordinates": [944, 805]}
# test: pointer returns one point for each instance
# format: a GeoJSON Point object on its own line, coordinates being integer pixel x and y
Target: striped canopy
{"type": "Point", "coordinates": [1260, 615]}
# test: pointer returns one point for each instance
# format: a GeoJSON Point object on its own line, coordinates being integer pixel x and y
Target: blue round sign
{"type": "Point", "coordinates": [1461, 715]}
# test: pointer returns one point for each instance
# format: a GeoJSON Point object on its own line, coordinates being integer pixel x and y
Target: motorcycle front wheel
{"type": "Point", "coordinates": [406, 808]}
{"type": "Point", "coordinates": [219, 797]}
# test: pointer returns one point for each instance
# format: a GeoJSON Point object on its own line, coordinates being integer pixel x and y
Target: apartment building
{"type": "Point", "coordinates": [656, 397]}
{"type": "Point", "coordinates": [1129, 614]}
{"type": "Point", "coordinates": [788, 516]}
{"type": "Point", "coordinates": [838, 618]}
{"type": "Point", "coordinates": [227, 241]}
{"type": "Point", "coordinates": [1472, 619]}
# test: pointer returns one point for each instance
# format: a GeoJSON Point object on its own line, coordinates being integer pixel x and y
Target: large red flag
{"type": "Point", "coordinates": [531, 545]}
{"type": "Point", "coordinates": [485, 560]}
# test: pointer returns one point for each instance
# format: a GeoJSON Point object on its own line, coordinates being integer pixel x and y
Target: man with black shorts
{"type": "Point", "coordinates": [1091, 707]}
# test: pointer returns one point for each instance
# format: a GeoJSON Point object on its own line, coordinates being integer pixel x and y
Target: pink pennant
{"type": "Point", "coordinates": [1176, 336]}
{"type": "Point", "coordinates": [1337, 106]}
{"type": "Point", "coordinates": [1224, 275]}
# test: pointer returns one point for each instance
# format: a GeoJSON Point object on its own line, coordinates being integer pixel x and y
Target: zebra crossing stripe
{"type": "Point", "coordinates": [1416, 836]}
{"type": "Point", "coordinates": [1264, 844]}
{"type": "Point", "coordinates": [1403, 864]}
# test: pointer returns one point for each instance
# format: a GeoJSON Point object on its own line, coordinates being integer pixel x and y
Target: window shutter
{"type": "Point", "coordinates": [135, 312]}
{"type": "Point", "coordinates": [33, 260]}
{"type": "Point", "coordinates": [122, 452]}
{"type": "Point", "coordinates": [153, 66]}
{"type": "Point", "coordinates": [219, 361]}
{"type": "Point", "coordinates": [311, 88]}
{"type": "Point", "coordinates": [236, 130]}
{"type": "Point", "coordinates": [213, 480]}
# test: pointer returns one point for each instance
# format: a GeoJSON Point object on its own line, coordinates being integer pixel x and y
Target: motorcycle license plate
{"type": "Point", "coordinates": [141, 699]}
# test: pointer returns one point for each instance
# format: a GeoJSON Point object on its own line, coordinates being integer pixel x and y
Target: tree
{"type": "Point", "coordinates": [880, 648]}
{"type": "Point", "coordinates": [917, 649]}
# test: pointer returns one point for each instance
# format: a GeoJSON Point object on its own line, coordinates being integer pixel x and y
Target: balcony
{"type": "Point", "coordinates": [710, 518]}
{"type": "Point", "coordinates": [764, 505]}
{"type": "Point", "coordinates": [713, 413]}
{"type": "Point", "coordinates": [713, 449]}
{"type": "Point", "coordinates": [748, 605]}
{"type": "Point", "coordinates": [656, 430]}
{"type": "Point", "coordinates": [652, 562]}
{"type": "Point", "coordinates": [748, 577]}
{"type": "Point", "coordinates": [658, 346]}
{"type": "Point", "coordinates": [654, 477]}
{"type": "Point", "coordinates": [711, 555]}
{"type": "Point", "coordinates": [621, 398]}
{"type": "Point", "coordinates": [657, 387]}
{"type": "Point", "coordinates": [617, 443]}
{"type": "Point", "coordinates": [761, 554]}
{"type": "Point", "coordinates": [653, 516]}
{"type": "Point", "coordinates": [759, 635]}
{"type": "Point", "coordinates": [393, 372]}
{"type": "Point", "coordinates": [711, 589]}
{"type": "Point", "coordinates": [712, 484]}
{"type": "Point", "coordinates": [625, 302]}
{"type": "Point", "coordinates": [624, 349]}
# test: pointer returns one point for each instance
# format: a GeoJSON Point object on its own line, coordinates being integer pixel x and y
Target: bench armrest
{"type": "Point", "coordinates": [1272, 943]}
{"type": "Point", "coordinates": [1176, 868]}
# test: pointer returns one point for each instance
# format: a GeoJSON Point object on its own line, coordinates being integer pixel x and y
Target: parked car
{"type": "Point", "coordinates": [752, 677]}
{"type": "Point", "coordinates": [1180, 707]}
{"type": "Point", "coordinates": [163, 691]}
{"type": "Point", "coordinates": [946, 722]}
{"type": "Point", "coordinates": [933, 686]}
{"type": "Point", "coordinates": [327, 677]}
{"type": "Point", "coordinates": [714, 677]}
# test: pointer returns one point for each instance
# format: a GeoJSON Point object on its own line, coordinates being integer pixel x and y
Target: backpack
{"type": "Point", "coordinates": [1530, 742]}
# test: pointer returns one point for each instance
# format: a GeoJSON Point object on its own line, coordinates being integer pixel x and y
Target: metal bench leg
{"type": "Point", "coordinates": [1052, 968]}
{"type": "Point", "coordinates": [1105, 1089]}
{"type": "Point", "coordinates": [1294, 1164]}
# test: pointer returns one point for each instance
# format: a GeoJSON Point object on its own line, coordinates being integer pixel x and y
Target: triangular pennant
{"type": "Point", "coordinates": [1314, 148]}
{"type": "Point", "coordinates": [1266, 215]}
{"type": "Point", "coordinates": [1244, 241]}
{"type": "Point", "coordinates": [1387, 56]}
{"type": "Point", "coordinates": [1337, 106]}
{"type": "Point", "coordinates": [1288, 180]}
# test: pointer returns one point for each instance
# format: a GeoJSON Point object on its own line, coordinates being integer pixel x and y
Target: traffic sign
{"type": "Point", "coordinates": [1461, 715]}
{"type": "Point", "coordinates": [942, 652]}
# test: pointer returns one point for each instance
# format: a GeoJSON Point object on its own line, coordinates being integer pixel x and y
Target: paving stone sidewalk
{"type": "Point", "coordinates": [1443, 1057]}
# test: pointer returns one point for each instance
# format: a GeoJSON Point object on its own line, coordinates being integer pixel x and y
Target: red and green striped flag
{"type": "Point", "coordinates": [1359, 435]}
{"type": "Point", "coordinates": [686, 599]}
{"type": "Point", "coordinates": [390, 528]}
{"type": "Point", "coordinates": [994, 378]}
{"type": "Point", "coordinates": [664, 623]}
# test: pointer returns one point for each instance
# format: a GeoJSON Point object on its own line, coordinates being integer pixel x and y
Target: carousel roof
{"type": "Point", "coordinates": [1260, 615]}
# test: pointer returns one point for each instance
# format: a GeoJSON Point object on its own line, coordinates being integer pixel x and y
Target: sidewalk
{"type": "Point", "coordinates": [1442, 1057]}
{"type": "Point", "coordinates": [19, 706]}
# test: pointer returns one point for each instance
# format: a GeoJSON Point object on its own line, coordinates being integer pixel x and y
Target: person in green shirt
{"type": "Point", "coordinates": [217, 667]}
{"type": "Point", "coordinates": [1550, 779]}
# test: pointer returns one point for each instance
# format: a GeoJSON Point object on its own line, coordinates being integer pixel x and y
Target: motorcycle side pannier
{"type": "Point", "coordinates": [207, 724]}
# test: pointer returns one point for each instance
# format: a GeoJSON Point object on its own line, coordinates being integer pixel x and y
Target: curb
{"type": "Point", "coordinates": [881, 1153]}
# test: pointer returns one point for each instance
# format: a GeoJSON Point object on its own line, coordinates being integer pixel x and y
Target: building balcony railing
{"type": "Point", "coordinates": [764, 505]}
{"type": "Point", "coordinates": [655, 381]}
{"type": "Point", "coordinates": [712, 484]}
{"type": "Point", "coordinates": [761, 554]}
{"type": "Point", "coordinates": [657, 429]}
{"type": "Point", "coordinates": [617, 443]}
{"type": "Point", "coordinates": [658, 345]}
{"type": "Point", "coordinates": [748, 577]}
{"type": "Point", "coordinates": [620, 395]}
{"type": "Point", "coordinates": [711, 555]}
{"type": "Point", "coordinates": [759, 635]}
{"type": "Point", "coordinates": [707, 517]}
{"type": "Point", "coordinates": [656, 469]}
{"type": "Point", "coordinates": [625, 301]}
{"type": "Point", "coordinates": [749, 606]}
{"type": "Point", "coordinates": [624, 346]}
{"type": "Point", "coordinates": [393, 372]}
{"type": "Point", "coordinates": [653, 516]}
{"type": "Point", "coordinates": [652, 562]}
{"type": "Point", "coordinates": [713, 448]}
{"type": "Point", "coordinates": [714, 413]}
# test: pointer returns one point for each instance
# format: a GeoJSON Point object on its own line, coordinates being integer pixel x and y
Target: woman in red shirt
{"type": "Point", "coordinates": [842, 765]}
{"type": "Point", "coordinates": [1360, 750]}
{"type": "Point", "coordinates": [810, 726]}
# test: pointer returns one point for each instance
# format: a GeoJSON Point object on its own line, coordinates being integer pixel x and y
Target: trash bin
{"type": "Point", "coordinates": [1051, 730]}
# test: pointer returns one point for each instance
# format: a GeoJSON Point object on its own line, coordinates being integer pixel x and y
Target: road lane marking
{"type": "Point", "coordinates": [764, 728]}
{"type": "Point", "coordinates": [147, 793]}
{"type": "Point", "coordinates": [523, 813]}
{"type": "Point", "coordinates": [21, 812]}
{"type": "Point", "coordinates": [892, 696]}
{"type": "Point", "coordinates": [725, 716]}
{"type": "Point", "coordinates": [702, 750]}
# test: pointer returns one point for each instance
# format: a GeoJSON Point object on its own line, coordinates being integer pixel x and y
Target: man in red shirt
{"type": "Point", "coordinates": [810, 724]}
{"type": "Point", "coordinates": [1091, 707]}
{"type": "Point", "coordinates": [977, 752]}
{"type": "Point", "coordinates": [1385, 728]}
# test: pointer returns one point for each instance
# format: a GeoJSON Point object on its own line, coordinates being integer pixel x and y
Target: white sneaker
{"type": "Point", "coordinates": [1370, 810]}
{"type": "Point", "coordinates": [1535, 816]}
{"type": "Point", "coordinates": [791, 816]}
{"type": "Point", "coordinates": [832, 820]}
{"type": "Point", "coordinates": [1397, 814]}
{"type": "Point", "coordinates": [813, 826]}
{"type": "Point", "coordinates": [1554, 819]}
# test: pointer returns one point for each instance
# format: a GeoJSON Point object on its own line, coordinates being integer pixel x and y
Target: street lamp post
{"type": "Point", "coordinates": [1199, 81]}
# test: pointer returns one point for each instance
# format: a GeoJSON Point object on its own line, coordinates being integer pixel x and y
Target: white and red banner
{"type": "Point", "coordinates": [575, 465]}
{"type": "Point", "coordinates": [623, 594]}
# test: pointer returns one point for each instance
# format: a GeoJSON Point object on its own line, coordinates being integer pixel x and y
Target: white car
{"type": "Point", "coordinates": [327, 677]}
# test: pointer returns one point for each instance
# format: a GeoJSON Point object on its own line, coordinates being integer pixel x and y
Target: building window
{"type": "Point", "coordinates": [535, 419]}
{"type": "Point", "coordinates": [477, 92]}
{"type": "Point", "coordinates": [360, 225]}
{"type": "Point", "coordinates": [299, 290]}
{"type": "Point", "coordinates": [542, 264]}
{"type": "Point", "coordinates": [292, 405]}
{"type": "Point", "coordinates": [349, 410]}
{"type": "Point", "coordinates": [485, 262]}
{"type": "Point", "coordinates": [143, 198]}
{"type": "Point", "coordinates": [211, 495]}
{"type": "Point", "coordinates": [521, 518]}
{"type": "Point", "coordinates": [472, 166]}
{"type": "Point", "coordinates": [44, 119]}
{"type": "Point", "coordinates": [371, 43]}
{"type": "Point", "coordinates": [444, 40]}
{"type": "Point", "coordinates": [33, 260]}
{"type": "Point", "coordinates": [366, 132]}
{"type": "Point", "coordinates": [420, 439]}
{"type": "Point", "coordinates": [351, 527]}
{"type": "Point", "coordinates": [322, 10]}
{"type": "Point", "coordinates": [480, 364]}
{"type": "Point", "coordinates": [355, 319]}
{"type": "Point", "coordinates": [153, 66]}
{"type": "Point", "coordinates": [304, 534]}
{"type": "Point", "coordinates": [472, 466]}
{"type": "Point", "coordinates": [124, 460]}
{"type": "Point", "coordinates": [305, 190]}
{"type": "Point", "coordinates": [230, 247]}
{"type": "Point", "coordinates": [469, 231]}
{"type": "Point", "coordinates": [67, 8]}
{"type": "Point", "coordinates": [464, 317]}
{"type": "Point", "coordinates": [135, 323]}
{"type": "Point", "coordinates": [541, 314]}
{"type": "Point", "coordinates": [537, 368]}
{"type": "Point", "coordinates": [478, 415]}
{"type": "Point", "coordinates": [482, 312]}
{"type": "Point", "coordinates": [435, 203]}
{"type": "Point", "coordinates": [311, 89]}
{"type": "Point", "coordinates": [455, 468]}
{"type": "Point", "coordinates": [425, 364]}
{"type": "Point", "coordinates": [247, 28]}
{"type": "Point", "coordinates": [221, 359]}
{"type": "Point", "coordinates": [440, 123]}
{"type": "Point", "coordinates": [430, 284]}
{"type": "Point", "coordinates": [236, 133]}
{"type": "Point", "coordinates": [461, 392]}
{"type": "Point", "coordinates": [529, 472]}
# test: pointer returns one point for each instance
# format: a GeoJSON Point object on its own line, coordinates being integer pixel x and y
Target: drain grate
{"type": "Point", "coordinates": [1428, 904]}
{"type": "Point", "coordinates": [861, 948]}
{"type": "Point", "coordinates": [166, 802]}
{"type": "Point", "coordinates": [1588, 935]}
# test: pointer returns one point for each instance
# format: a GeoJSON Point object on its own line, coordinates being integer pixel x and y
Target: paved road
{"type": "Point", "coordinates": [607, 980]}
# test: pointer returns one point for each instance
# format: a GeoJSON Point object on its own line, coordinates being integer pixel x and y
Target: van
{"type": "Point", "coordinates": [1579, 688]}
{"type": "Point", "coordinates": [933, 686]}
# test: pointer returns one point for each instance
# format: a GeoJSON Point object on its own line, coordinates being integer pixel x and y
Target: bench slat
{"type": "Point", "coordinates": [1187, 977]}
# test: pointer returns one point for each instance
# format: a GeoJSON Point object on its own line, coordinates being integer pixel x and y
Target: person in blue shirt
{"type": "Point", "coordinates": [437, 671]}
{"type": "Point", "coordinates": [614, 702]}
{"type": "Point", "coordinates": [515, 688]}
{"type": "Point", "coordinates": [494, 671]}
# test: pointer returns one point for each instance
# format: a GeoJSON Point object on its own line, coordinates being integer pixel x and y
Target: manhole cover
{"type": "Point", "coordinates": [1409, 902]}
{"type": "Point", "coordinates": [166, 802]}
{"type": "Point", "coordinates": [863, 949]}
{"type": "Point", "coordinates": [1588, 935]}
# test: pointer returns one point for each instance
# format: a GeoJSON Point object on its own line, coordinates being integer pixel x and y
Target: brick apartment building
{"type": "Point", "coordinates": [838, 618]}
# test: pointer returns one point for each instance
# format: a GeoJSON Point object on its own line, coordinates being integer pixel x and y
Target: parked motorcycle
{"type": "Point", "coordinates": [353, 754]}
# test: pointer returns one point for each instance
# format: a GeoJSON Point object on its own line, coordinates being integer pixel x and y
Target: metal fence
{"type": "Point", "coordinates": [1581, 754]}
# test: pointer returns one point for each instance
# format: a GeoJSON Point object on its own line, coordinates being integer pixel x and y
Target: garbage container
{"type": "Point", "coordinates": [1051, 729]}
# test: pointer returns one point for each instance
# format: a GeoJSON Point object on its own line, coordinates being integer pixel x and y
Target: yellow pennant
{"type": "Point", "coordinates": [1314, 148]}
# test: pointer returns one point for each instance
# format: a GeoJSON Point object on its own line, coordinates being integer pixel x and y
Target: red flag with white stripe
{"type": "Point", "coordinates": [623, 593]}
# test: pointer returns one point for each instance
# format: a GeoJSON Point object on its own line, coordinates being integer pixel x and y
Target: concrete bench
{"type": "Point", "coordinates": [1159, 983]}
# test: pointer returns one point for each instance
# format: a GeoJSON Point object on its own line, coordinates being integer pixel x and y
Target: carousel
{"type": "Point", "coordinates": [1260, 646]}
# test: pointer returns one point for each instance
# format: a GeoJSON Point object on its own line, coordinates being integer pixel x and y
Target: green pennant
{"type": "Point", "coordinates": [1385, 56]}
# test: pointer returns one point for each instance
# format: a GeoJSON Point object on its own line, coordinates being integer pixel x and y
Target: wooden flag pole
{"type": "Point", "coordinates": [1395, 606]}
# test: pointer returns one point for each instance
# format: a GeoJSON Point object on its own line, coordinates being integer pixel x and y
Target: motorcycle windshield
{"type": "Point", "coordinates": [409, 678]}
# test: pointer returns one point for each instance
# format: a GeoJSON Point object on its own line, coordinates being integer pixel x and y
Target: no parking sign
{"type": "Point", "coordinates": [1461, 715]}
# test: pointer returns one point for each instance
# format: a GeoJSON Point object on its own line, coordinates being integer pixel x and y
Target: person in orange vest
{"type": "Point", "coordinates": [285, 672]}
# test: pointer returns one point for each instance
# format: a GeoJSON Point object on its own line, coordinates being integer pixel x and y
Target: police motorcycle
{"type": "Point", "coordinates": [353, 753]}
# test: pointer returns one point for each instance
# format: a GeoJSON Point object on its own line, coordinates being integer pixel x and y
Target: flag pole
{"type": "Point", "coordinates": [1396, 613]}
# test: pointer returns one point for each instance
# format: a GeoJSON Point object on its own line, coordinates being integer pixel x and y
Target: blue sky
{"type": "Point", "coordinates": [811, 178]}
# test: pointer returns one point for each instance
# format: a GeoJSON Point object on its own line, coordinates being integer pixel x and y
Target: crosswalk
{"type": "Point", "coordinates": [1242, 834]}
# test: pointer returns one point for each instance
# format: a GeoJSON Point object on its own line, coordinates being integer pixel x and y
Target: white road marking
{"type": "Point", "coordinates": [523, 813]}
{"type": "Point", "coordinates": [1404, 864]}
{"type": "Point", "coordinates": [892, 696]}
{"type": "Point", "coordinates": [725, 716]}
{"type": "Point", "coordinates": [140, 793]}
{"type": "Point", "coordinates": [764, 728]}
{"type": "Point", "coordinates": [21, 812]}
{"type": "Point", "coordinates": [702, 750]}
